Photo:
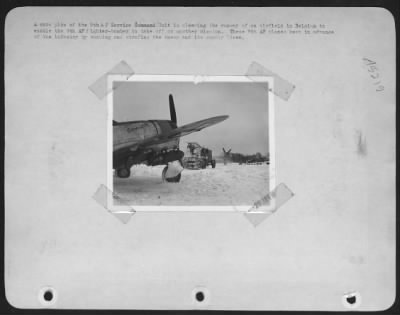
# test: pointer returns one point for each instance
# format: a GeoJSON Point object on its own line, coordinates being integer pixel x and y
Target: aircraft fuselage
{"type": "Point", "coordinates": [132, 132]}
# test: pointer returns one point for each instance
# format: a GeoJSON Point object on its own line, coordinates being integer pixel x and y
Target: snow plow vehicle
{"type": "Point", "coordinates": [197, 157]}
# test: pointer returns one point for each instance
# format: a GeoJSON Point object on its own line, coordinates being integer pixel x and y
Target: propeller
{"type": "Point", "coordinates": [226, 152]}
{"type": "Point", "coordinates": [172, 109]}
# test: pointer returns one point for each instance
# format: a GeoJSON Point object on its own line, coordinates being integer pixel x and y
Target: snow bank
{"type": "Point", "coordinates": [225, 185]}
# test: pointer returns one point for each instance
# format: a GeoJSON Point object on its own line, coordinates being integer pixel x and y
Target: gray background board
{"type": "Point", "coordinates": [335, 149]}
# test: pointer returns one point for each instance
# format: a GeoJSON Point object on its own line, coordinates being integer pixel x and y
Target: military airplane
{"type": "Point", "coordinates": [153, 142]}
{"type": "Point", "coordinates": [227, 155]}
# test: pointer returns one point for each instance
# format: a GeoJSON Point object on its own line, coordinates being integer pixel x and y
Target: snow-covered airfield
{"type": "Point", "coordinates": [225, 185]}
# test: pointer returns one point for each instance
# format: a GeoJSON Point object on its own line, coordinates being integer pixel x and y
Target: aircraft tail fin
{"type": "Point", "coordinates": [172, 109]}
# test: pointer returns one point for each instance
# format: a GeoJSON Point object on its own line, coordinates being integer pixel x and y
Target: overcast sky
{"type": "Point", "coordinates": [245, 131]}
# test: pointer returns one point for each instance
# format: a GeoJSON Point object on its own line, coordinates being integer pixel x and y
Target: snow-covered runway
{"type": "Point", "coordinates": [225, 185]}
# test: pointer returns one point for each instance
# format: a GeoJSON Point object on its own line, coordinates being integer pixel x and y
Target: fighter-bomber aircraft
{"type": "Point", "coordinates": [153, 142]}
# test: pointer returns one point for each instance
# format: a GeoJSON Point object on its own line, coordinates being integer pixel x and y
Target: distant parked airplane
{"type": "Point", "coordinates": [227, 155]}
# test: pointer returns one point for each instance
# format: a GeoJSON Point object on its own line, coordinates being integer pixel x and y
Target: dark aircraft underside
{"type": "Point", "coordinates": [124, 162]}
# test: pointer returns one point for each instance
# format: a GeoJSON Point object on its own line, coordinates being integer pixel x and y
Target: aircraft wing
{"type": "Point", "coordinates": [176, 133]}
{"type": "Point", "coordinates": [195, 126]}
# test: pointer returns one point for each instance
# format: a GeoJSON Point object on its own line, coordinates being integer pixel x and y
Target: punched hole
{"type": "Point", "coordinates": [200, 296]}
{"type": "Point", "coordinates": [48, 296]}
{"type": "Point", "coordinates": [351, 299]}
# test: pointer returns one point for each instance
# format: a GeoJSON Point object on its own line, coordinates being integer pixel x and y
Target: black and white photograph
{"type": "Point", "coordinates": [191, 143]}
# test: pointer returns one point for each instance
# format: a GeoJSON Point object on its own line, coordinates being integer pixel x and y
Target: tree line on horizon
{"type": "Point", "coordinates": [244, 158]}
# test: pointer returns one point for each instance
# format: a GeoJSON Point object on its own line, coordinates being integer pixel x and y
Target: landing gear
{"type": "Point", "coordinates": [173, 168]}
{"type": "Point", "coordinates": [175, 179]}
{"type": "Point", "coordinates": [123, 172]}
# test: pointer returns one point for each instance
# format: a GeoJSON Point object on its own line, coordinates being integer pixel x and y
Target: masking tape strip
{"type": "Point", "coordinates": [282, 88]}
{"type": "Point", "coordinates": [100, 88]}
{"type": "Point", "coordinates": [269, 204]}
{"type": "Point", "coordinates": [105, 197]}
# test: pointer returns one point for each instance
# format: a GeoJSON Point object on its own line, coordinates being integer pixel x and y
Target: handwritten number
{"type": "Point", "coordinates": [373, 69]}
{"type": "Point", "coordinates": [369, 62]}
{"type": "Point", "coordinates": [374, 74]}
{"type": "Point", "coordinates": [375, 77]}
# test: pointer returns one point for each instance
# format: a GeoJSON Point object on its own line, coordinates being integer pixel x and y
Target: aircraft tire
{"type": "Point", "coordinates": [175, 179]}
{"type": "Point", "coordinates": [123, 173]}
{"type": "Point", "coordinates": [213, 163]}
